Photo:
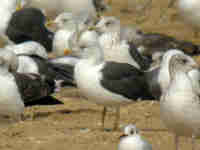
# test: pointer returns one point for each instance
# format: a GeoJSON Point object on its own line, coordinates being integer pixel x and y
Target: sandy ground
{"type": "Point", "coordinates": [75, 124]}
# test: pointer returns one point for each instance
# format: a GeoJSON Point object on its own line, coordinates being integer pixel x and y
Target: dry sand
{"type": "Point", "coordinates": [75, 124]}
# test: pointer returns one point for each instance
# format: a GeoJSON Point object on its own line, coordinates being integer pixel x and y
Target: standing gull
{"type": "Point", "coordinates": [115, 48]}
{"type": "Point", "coordinates": [180, 106]}
{"type": "Point", "coordinates": [20, 88]}
{"type": "Point", "coordinates": [110, 84]}
{"type": "Point", "coordinates": [68, 28]}
{"type": "Point", "coordinates": [131, 140]}
{"type": "Point", "coordinates": [33, 63]}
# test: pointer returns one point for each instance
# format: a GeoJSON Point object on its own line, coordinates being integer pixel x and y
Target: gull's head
{"type": "Point", "coordinates": [85, 19]}
{"type": "Point", "coordinates": [129, 130]}
{"type": "Point", "coordinates": [167, 56]}
{"type": "Point", "coordinates": [87, 50]}
{"type": "Point", "coordinates": [100, 5]}
{"type": "Point", "coordinates": [8, 60]}
{"type": "Point", "coordinates": [108, 24]}
{"type": "Point", "coordinates": [90, 50]}
{"type": "Point", "coordinates": [181, 63]}
{"type": "Point", "coordinates": [64, 19]}
{"type": "Point", "coordinates": [131, 34]}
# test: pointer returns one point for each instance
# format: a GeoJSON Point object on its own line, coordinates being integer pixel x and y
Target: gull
{"type": "Point", "coordinates": [158, 77]}
{"type": "Point", "coordinates": [179, 104]}
{"type": "Point", "coordinates": [110, 84]}
{"type": "Point", "coordinates": [20, 88]}
{"type": "Point", "coordinates": [7, 8]}
{"type": "Point", "coordinates": [28, 24]}
{"type": "Point", "coordinates": [70, 28]}
{"type": "Point", "coordinates": [154, 45]}
{"type": "Point", "coordinates": [115, 48]}
{"type": "Point", "coordinates": [54, 8]}
{"type": "Point", "coordinates": [131, 140]}
{"type": "Point", "coordinates": [164, 76]}
{"type": "Point", "coordinates": [33, 63]}
{"type": "Point", "coordinates": [67, 27]}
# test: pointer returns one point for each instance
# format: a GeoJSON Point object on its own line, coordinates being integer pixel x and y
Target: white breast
{"type": "Point", "coordinates": [27, 65]}
{"type": "Point", "coordinates": [60, 42]}
{"type": "Point", "coordinates": [10, 100]}
{"type": "Point", "coordinates": [180, 108]}
{"type": "Point", "coordinates": [134, 142]}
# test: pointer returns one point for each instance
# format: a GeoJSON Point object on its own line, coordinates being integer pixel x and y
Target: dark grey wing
{"type": "Point", "coordinates": [154, 42]}
{"type": "Point", "coordinates": [33, 87]}
{"type": "Point", "coordinates": [99, 5]}
{"type": "Point", "coordinates": [126, 80]}
{"type": "Point", "coordinates": [160, 42]}
{"type": "Point", "coordinates": [153, 84]}
{"type": "Point", "coordinates": [55, 71]}
{"type": "Point", "coordinates": [143, 62]}
{"type": "Point", "coordinates": [189, 48]}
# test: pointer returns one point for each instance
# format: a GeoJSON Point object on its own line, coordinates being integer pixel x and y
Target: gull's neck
{"type": "Point", "coordinates": [180, 81]}
{"type": "Point", "coordinates": [4, 71]}
{"type": "Point", "coordinates": [110, 39]}
{"type": "Point", "coordinates": [97, 58]}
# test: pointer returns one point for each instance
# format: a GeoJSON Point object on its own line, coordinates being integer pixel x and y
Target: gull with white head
{"type": "Point", "coordinates": [179, 105]}
{"type": "Point", "coordinates": [114, 46]}
{"type": "Point", "coordinates": [131, 140]}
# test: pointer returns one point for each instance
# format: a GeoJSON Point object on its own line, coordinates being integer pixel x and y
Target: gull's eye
{"type": "Point", "coordinates": [64, 20]}
{"type": "Point", "coordinates": [82, 46]}
{"type": "Point", "coordinates": [132, 132]}
{"type": "Point", "coordinates": [184, 61]}
{"type": "Point", "coordinates": [108, 23]}
{"type": "Point", "coordinates": [139, 32]}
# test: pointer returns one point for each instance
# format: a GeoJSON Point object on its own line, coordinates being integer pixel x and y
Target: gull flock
{"type": "Point", "coordinates": [111, 65]}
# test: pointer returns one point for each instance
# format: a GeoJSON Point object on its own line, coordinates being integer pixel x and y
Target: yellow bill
{"type": "Point", "coordinates": [67, 51]}
{"type": "Point", "coordinates": [50, 23]}
{"type": "Point", "coordinates": [19, 6]}
{"type": "Point", "coordinates": [92, 28]}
